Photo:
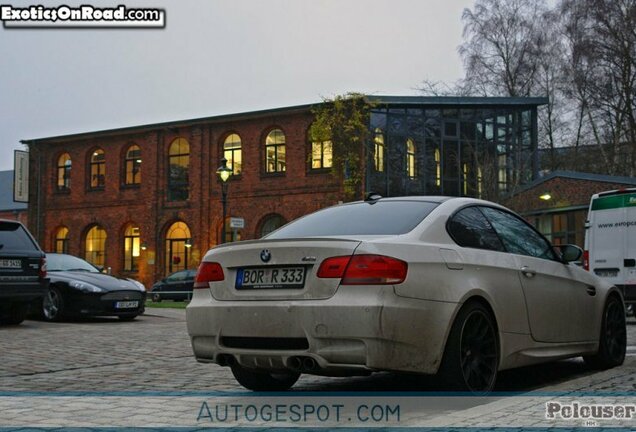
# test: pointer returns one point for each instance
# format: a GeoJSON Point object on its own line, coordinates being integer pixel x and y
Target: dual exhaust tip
{"type": "Point", "coordinates": [297, 363]}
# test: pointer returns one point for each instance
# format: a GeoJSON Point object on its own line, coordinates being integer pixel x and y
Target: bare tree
{"type": "Point", "coordinates": [602, 35]}
{"type": "Point", "coordinates": [499, 48]}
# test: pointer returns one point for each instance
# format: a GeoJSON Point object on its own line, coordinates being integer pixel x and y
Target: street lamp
{"type": "Point", "coordinates": [224, 174]}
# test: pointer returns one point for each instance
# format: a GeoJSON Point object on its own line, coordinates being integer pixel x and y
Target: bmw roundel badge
{"type": "Point", "coordinates": [265, 255]}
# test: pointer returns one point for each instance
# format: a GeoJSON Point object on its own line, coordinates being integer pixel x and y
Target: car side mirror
{"type": "Point", "coordinates": [570, 253]}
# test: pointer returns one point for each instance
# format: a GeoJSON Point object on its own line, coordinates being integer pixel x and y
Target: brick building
{"type": "Point", "coordinates": [557, 203]}
{"type": "Point", "coordinates": [146, 200]}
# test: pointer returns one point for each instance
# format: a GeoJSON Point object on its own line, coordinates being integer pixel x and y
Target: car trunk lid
{"type": "Point", "coordinates": [277, 269]}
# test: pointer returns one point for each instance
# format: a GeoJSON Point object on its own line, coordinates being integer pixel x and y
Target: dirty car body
{"type": "Point", "coordinates": [454, 286]}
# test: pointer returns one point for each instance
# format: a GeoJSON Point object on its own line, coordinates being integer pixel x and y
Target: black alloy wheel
{"type": "Point", "coordinates": [53, 305]}
{"type": "Point", "coordinates": [613, 340]}
{"type": "Point", "coordinates": [471, 358]}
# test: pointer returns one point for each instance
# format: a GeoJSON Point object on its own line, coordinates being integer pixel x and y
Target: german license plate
{"type": "Point", "coordinates": [126, 304]}
{"type": "Point", "coordinates": [10, 263]}
{"type": "Point", "coordinates": [270, 277]}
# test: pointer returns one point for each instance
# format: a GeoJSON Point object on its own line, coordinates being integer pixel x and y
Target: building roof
{"type": "Point", "coordinates": [406, 101]}
{"type": "Point", "coordinates": [574, 175]}
{"type": "Point", "coordinates": [6, 193]}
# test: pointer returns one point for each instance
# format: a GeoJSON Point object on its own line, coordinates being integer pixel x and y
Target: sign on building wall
{"type": "Point", "coordinates": [20, 176]}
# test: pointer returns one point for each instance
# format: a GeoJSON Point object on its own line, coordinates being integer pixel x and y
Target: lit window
{"type": "Point", "coordinates": [438, 168]}
{"type": "Point", "coordinates": [131, 248]}
{"type": "Point", "coordinates": [321, 153]}
{"type": "Point", "coordinates": [133, 165]}
{"type": "Point", "coordinates": [95, 246]}
{"type": "Point", "coordinates": [232, 152]}
{"type": "Point", "coordinates": [64, 172]}
{"type": "Point", "coordinates": [479, 183]}
{"type": "Point", "coordinates": [378, 150]}
{"type": "Point", "coordinates": [178, 242]}
{"type": "Point", "coordinates": [98, 169]}
{"type": "Point", "coordinates": [410, 158]}
{"type": "Point", "coordinates": [61, 241]}
{"type": "Point", "coordinates": [275, 151]}
{"type": "Point", "coordinates": [465, 175]}
{"type": "Point", "coordinates": [178, 165]}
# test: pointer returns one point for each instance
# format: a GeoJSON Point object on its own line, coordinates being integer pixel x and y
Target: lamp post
{"type": "Point", "coordinates": [224, 174]}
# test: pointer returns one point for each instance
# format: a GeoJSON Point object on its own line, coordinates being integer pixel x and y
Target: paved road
{"type": "Point", "coordinates": [153, 354]}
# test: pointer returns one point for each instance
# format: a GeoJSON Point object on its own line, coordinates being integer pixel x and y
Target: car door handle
{"type": "Point", "coordinates": [591, 290]}
{"type": "Point", "coordinates": [528, 272]}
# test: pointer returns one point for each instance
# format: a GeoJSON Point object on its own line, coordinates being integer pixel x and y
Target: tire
{"type": "Point", "coordinates": [262, 380]}
{"type": "Point", "coordinates": [471, 357]}
{"type": "Point", "coordinates": [156, 298]}
{"type": "Point", "coordinates": [17, 313]}
{"type": "Point", "coordinates": [53, 305]}
{"type": "Point", "coordinates": [613, 337]}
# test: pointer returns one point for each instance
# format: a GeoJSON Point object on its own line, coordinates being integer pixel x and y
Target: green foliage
{"type": "Point", "coordinates": [344, 121]}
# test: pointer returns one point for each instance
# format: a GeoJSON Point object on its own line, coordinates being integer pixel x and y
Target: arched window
{"type": "Point", "coordinates": [321, 153]}
{"type": "Point", "coordinates": [410, 158]}
{"type": "Point", "coordinates": [132, 166]}
{"type": "Point", "coordinates": [178, 243]}
{"type": "Point", "coordinates": [95, 246]}
{"type": "Point", "coordinates": [275, 151]}
{"type": "Point", "coordinates": [232, 152]}
{"type": "Point", "coordinates": [132, 247]}
{"type": "Point", "coordinates": [378, 150]}
{"type": "Point", "coordinates": [64, 172]}
{"type": "Point", "coordinates": [98, 169]}
{"type": "Point", "coordinates": [271, 223]}
{"type": "Point", "coordinates": [61, 240]}
{"type": "Point", "coordinates": [178, 164]}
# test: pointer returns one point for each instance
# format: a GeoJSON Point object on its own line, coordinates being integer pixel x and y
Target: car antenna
{"type": "Point", "coordinates": [372, 197]}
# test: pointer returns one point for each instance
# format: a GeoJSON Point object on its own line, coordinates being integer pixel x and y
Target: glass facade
{"type": "Point", "coordinates": [474, 151]}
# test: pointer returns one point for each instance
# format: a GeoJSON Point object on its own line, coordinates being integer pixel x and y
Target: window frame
{"type": "Point", "coordinates": [97, 170]}
{"type": "Point", "coordinates": [129, 254]}
{"type": "Point", "coordinates": [132, 165]}
{"type": "Point", "coordinates": [276, 148]}
{"type": "Point", "coordinates": [63, 172]}
{"type": "Point", "coordinates": [175, 189]}
{"type": "Point", "coordinates": [232, 151]}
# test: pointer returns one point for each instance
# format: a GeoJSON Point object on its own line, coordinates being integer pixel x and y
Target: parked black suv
{"type": "Point", "coordinates": [22, 272]}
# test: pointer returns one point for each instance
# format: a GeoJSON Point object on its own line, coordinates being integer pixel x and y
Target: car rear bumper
{"type": "Point", "coordinates": [358, 330]}
{"type": "Point", "coordinates": [22, 292]}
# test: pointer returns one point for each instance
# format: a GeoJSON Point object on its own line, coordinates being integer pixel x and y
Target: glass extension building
{"type": "Point", "coordinates": [457, 146]}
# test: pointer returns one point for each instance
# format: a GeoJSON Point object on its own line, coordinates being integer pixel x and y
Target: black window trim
{"type": "Point", "coordinates": [504, 210]}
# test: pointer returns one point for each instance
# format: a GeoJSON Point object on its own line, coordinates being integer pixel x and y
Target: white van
{"type": "Point", "coordinates": [610, 240]}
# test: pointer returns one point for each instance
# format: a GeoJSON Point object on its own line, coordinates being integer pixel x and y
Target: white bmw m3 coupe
{"type": "Point", "coordinates": [458, 287]}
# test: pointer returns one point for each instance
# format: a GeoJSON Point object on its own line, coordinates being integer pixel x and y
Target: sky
{"type": "Point", "coordinates": [219, 57]}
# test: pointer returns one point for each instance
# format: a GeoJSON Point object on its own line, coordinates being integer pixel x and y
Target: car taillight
{"type": "Point", "coordinates": [586, 260]}
{"type": "Point", "coordinates": [333, 267]}
{"type": "Point", "coordinates": [208, 272]}
{"type": "Point", "coordinates": [364, 270]}
{"type": "Point", "coordinates": [42, 268]}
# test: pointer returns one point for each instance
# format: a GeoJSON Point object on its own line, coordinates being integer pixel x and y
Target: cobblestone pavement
{"type": "Point", "coordinates": [153, 354]}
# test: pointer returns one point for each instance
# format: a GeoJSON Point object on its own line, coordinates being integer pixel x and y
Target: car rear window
{"type": "Point", "coordinates": [367, 218]}
{"type": "Point", "coordinates": [14, 237]}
